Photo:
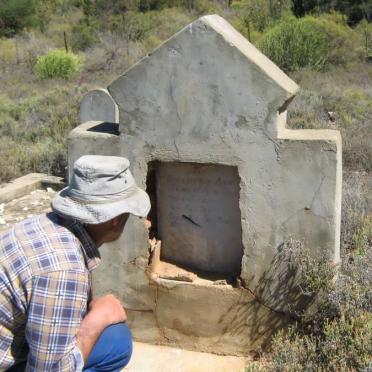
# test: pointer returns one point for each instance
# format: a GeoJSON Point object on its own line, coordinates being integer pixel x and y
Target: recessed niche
{"type": "Point", "coordinates": [195, 213]}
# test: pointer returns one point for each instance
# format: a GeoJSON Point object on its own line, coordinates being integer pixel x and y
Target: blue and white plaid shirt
{"type": "Point", "coordinates": [45, 265]}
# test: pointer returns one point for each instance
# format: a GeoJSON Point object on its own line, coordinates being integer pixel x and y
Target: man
{"type": "Point", "coordinates": [48, 319]}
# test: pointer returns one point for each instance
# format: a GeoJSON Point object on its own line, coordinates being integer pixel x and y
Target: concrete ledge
{"type": "Point", "coordinates": [25, 184]}
{"type": "Point", "coordinates": [86, 130]}
{"type": "Point", "coordinates": [155, 358]}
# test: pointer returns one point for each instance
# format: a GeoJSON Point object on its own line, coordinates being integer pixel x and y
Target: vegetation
{"type": "Point", "coordinates": [296, 43]}
{"type": "Point", "coordinates": [57, 64]}
{"type": "Point", "coordinates": [15, 15]}
{"type": "Point", "coordinates": [325, 46]}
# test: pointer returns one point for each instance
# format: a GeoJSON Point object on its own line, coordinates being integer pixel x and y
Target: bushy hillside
{"type": "Point", "coordinates": [53, 51]}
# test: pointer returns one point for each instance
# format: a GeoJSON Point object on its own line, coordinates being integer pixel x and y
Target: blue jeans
{"type": "Point", "coordinates": [112, 351]}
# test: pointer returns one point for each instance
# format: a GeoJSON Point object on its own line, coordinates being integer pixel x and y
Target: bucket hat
{"type": "Point", "coordinates": [101, 188]}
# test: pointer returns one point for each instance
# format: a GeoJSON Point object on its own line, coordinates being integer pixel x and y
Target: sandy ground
{"type": "Point", "coordinates": [35, 203]}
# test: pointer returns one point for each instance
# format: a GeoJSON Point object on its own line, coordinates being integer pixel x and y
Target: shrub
{"type": "Point", "coordinates": [344, 346]}
{"type": "Point", "coordinates": [343, 41]}
{"type": "Point", "coordinates": [362, 237]}
{"type": "Point", "coordinates": [259, 14]}
{"type": "Point", "coordinates": [356, 217]}
{"type": "Point", "coordinates": [83, 36]}
{"type": "Point", "coordinates": [364, 29]}
{"type": "Point", "coordinates": [132, 26]}
{"type": "Point", "coordinates": [314, 272]}
{"type": "Point", "coordinates": [296, 43]}
{"type": "Point", "coordinates": [57, 64]}
{"type": "Point", "coordinates": [337, 336]}
{"type": "Point", "coordinates": [15, 15]}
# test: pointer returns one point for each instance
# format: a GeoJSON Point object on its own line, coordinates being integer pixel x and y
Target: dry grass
{"type": "Point", "coordinates": [340, 98]}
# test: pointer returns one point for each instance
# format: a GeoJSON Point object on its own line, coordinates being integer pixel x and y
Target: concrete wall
{"type": "Point", "coordinates": [207, 96]}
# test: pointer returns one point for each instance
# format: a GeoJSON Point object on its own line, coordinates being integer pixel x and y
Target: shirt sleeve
{"type": "Point", "coordinates": [57, 307]}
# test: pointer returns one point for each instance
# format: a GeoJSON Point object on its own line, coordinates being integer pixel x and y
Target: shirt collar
{"type": "Point", "coordinates": [89, 248]}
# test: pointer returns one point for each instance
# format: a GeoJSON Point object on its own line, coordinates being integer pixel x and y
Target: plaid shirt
{"type": "Point", "coordinates": [45, 265]}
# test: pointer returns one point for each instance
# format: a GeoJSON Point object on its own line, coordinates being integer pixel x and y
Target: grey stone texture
{"type": "Point", "coordinates": [98, 105]}
{"type": "Point", "coordinates": [208, 97]}
{"type": "Point", "coordinates": [28, 183]}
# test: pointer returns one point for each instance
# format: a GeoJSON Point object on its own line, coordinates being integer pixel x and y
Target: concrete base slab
{"type": "Point", "coordinates": [25, 184]}
{"type": "Point", "coordinates": [156, 358]}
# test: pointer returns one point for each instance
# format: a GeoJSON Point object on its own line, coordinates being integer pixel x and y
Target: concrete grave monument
{"type": "Point", "coordinates": [202, 120]}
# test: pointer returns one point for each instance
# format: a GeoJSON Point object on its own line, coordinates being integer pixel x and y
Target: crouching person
{"type": "Point", "coordinates": [48, 318]}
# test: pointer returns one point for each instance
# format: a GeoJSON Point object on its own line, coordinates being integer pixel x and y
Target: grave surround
{"type": "Point", "coordinates": [202, 120]}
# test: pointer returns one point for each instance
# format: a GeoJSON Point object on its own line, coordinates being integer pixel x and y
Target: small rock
{"type": "Point", "coordinates": [2, 221]}
{"type": "Point", "coordinates": [49, 189]}
{"type": "Point", "coordinates": [331, 116]}
{"type": "Point", "coordinates": [2, 207]}
{"type": "Point", "coordinates": [25, 208]}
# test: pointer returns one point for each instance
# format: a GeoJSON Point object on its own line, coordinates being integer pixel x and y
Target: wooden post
{"type": "Point", "coordinates": [65, 39]}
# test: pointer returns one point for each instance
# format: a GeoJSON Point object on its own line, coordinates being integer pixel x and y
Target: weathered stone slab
{"type": "Point", "coordinates": [25, 184]}
{"type": "Point", "coordinates": [224, 320]}
{"type": "Point", "coordinates": [98, 105]}
{"type": "Point", "coordinates": [199, 220]}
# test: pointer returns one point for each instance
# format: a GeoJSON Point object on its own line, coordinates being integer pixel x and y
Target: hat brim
{"type": "Point", "coordinates": [137, 203]}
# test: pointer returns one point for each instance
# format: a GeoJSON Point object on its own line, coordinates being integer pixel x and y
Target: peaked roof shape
{"type": "Point", "coordinates": [207, 61]}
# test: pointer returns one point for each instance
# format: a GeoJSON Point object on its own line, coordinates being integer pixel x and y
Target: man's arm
{"type": "Point", "coordinates": [57, 306]}
{"type": "Point", "coordinates": [60, 338]}
{"type": "Point", "coordinates": [103, 312]}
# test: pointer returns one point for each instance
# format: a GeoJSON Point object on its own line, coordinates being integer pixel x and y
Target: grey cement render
{"type": "Point", "coordinates": [98, 105]}
{"type": "Point", "coordinates": [207, 96]}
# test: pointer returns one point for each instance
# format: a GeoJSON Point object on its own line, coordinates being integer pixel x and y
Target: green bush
{"type": "Point", "coordinates": [343, 41]}
{"type": "Point", "coordinates": [15, 15]}
{"type": "Point", "coordinates": [364, 30]}
{"type": "Point", "coordinates": [296, 43]}
{"type": "Point", "coordinates": [57, 64]}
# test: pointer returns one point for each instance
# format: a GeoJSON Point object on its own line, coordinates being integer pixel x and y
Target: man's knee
{"type": "Point", "coordinates": [121, 338]}
{"type": "Point", "coordinates": [112, 351]}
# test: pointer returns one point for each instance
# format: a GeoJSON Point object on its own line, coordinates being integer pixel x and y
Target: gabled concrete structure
{"type": "Point", "coordinates": [202, 120]}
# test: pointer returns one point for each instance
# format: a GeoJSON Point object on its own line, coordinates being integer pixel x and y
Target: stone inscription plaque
{"type": "Point", "coordinates": [199, 217]}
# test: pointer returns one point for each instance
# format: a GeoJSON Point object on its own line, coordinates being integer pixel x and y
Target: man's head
{"type": "Point", "coordinates": [102, 193]}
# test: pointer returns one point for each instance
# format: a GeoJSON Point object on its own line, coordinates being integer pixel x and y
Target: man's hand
{"type": "Point", "coordinates": [102, 312]}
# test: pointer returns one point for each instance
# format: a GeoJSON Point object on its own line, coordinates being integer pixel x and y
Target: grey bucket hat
{"type": "Point", "coordinates": [101, 188]}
